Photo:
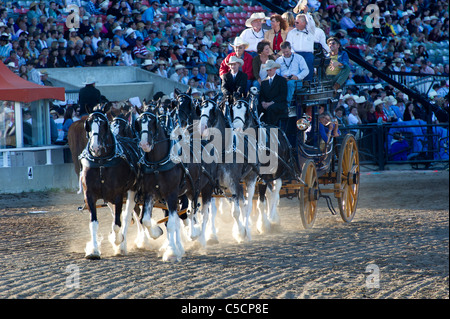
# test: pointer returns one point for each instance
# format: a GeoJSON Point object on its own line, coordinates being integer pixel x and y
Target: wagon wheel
{"type": "Point", "coordinates": [309, 194]}
{"type": "Point", "coordinates": [347, 179]}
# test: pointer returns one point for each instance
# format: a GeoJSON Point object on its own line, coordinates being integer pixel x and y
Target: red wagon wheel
{"type": "Point", "coordinates": [309, 194]}
{"type": "Point", "coordinates": [347, 181]}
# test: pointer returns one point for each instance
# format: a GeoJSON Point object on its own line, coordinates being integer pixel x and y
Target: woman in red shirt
{"type": "Point", "coordinates": [277, 34]}
{"type": "Point", "coordinates": [381, 117]}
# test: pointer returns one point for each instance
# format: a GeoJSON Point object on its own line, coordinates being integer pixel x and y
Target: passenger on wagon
{"type": "Point", "coordinates": [235, 81]}
{"type": "Point", "coordinates": [339, 68]}
{"type": "Point", "coordinates": [293, 68]}
{"type": "Point", "coordinates": [272, 97]}
{"type": "Point", "coordinates": [239, 47]}
{"type": "Point", "coordinates": [302, 39]}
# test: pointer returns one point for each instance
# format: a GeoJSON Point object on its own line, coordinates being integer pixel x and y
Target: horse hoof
{"type": "Point", "coordinates": [93, 256]}
{"type": "Point", "coordinates": [155, 232]}
{"type": "Point", "coordinates": [213, 240]}
{"type": "Point", "coordinates": [169, 256]}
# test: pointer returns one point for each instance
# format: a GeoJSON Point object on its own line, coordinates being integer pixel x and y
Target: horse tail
{"type": "Point", "coordinates": [77, 140]}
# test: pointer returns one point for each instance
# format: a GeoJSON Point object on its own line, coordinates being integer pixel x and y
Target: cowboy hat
{"type": "Point", "coordinates": [235, 59]}
{"type": "Point", "coordinates": [117, 28]}
{"type": "Point", "coordinates": [147, 62]}
{"type": "Point", "coordinates": [253, 17]}
{"type": "Point", "coordinates": [238, 41]}
{"type": "Point", "coordinates": [379, 101]}
{"type": "Point", "coordinates": [360, 99]}
{"type": "Point", "coordinates": [270, 65]}
{"type": "Point", "coordinates": [190, 47]}
{"type": "Point", "coordinates": [179, 66]}
{"type": "Point", "coordinates": [129, 31]}
{"type": "Point", "coordinates": [89, 80]}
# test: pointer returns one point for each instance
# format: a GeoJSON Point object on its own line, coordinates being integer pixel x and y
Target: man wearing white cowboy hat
{"type": "Point", "coordinates": [254, 32]}
{"type": "Point", "coordinates": [272, 97]}
{"type": "Point", "coordinates": [148, 65]}
{"type": "Point", "coordinates": [89, 96]}
{"type": "Point", "coordinates": [239, 47]}
{"type": "Point", "coordinates": [178, 74]}
{"type": "Point", "coordinates": [302, 39]}
{"type": "Point", "coordinates": [234, 82]}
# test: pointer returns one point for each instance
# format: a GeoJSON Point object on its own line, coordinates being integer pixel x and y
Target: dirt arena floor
{"type": "Point", "coordinates": [396, 247]}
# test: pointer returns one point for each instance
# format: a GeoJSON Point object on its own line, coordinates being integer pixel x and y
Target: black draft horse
{"type": "Point", "coordinates": [235, 165]}
{"type": "Point", "coordinates": [165, 177]}
{"type": "Point", "coordinates": [109, 172]}
{"type": "Point", "coordinates": [272, 141]}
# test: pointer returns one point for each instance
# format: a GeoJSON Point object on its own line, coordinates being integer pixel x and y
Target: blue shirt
{"type": "Point", "coordinates": [148, 15]}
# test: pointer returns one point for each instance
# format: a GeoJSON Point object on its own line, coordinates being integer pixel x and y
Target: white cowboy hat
{"type": "Point", "coordinates": [190, 47]}
{"type": "Point", "coordinates": [179, 66]}
{"type": "Point", "coordinates": [89, 80]}
{"type": "Point", "coordinates": [147, 62]}
{"type": "Point", "coordinates": [117, 28]}
{"type": "Point", "coordinates": [189, 27]}
{"type": "Point", "coordinates": [238, 41]}
{"type": "Point", "coordinates": [407, 51]}
{"type": "Point", "coordinates": [253, 17]}
{"type": "Point", "coordinates": [361, 99]}
{"type": "Point", "coordinates": [130, 31]}
{"type": "Point", "coordinates": [379, 101]}
{"type": "Point", "coordinates": [235, 59]}
{"type": "Point", "coordinates": [379, 86]}
{"type": "Point", "coordinates": [347, 10]}
{"type": "Point", "coordinates": [270, 64]}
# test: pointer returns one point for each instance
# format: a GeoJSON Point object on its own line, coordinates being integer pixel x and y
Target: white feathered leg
{"type": "Point", "coordinates": [274, 218]}
{"type": "Point", "coordinates": [92, 247]}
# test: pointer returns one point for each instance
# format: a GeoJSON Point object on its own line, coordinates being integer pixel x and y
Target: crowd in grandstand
{"type": "Point", "coordinates": [196, 51]}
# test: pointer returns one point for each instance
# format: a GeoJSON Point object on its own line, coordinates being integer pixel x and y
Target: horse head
{"type": "Point", "coordinates": [98, 133]}
{"type": "Point", "coordinates": [146, 126]}
{"type": "Point", "coordinates": [187, 110]}
{"type": "Point", "coordinates": [211, 116]}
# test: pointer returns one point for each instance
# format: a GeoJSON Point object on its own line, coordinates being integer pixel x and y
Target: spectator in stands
{"type": "Point", "coordinates": [190, 56]}
{"type": "Point", "coordinates": [338, 69]}
{"type": "Point", "coordinates": [239, 47]}
{"type": "Point", "coordinates": [33, 74]}
{"type": "Point", "coordinates": [327, 129]}
{"type": "Point", "coordinates": [5, 46]}
{"type": "Point", "coordinates": [408, 115]}
{"type": "Point", "coordinates": [302, 40]}
{"type": "Point", "coordinates": [381, 117]}
{"type": "Point", "coordinates": [68, 121]}
{"type": "Point", "coordinates": [186, 15]}
{"type": "Point", "coordinates": [272, 97]}
{"type": "Point", "coordinates": [263, 49]}
{"type": "Point", "coordinates": [277, 34]}
{"type": "Point", "coordinates": [234, 82]}
{"type": "Point", "coordinates": [254, 32]}
{"type": "Point", "coordinates": [162, 68]}
{"type": "Point", "coordinates": [178, 75]}
{"type": "Point", "coordinates": [293, 68]}
{"type": "Point", "coordinates": [221, 18]}
{"type": "Point", "coordinates": [151, 14]}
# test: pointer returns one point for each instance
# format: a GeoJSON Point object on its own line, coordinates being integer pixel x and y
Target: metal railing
{"type": "Point", "coordinates": [424, 144]}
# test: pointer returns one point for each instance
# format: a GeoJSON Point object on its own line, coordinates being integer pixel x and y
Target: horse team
{"type": "Point", "coordinates": [180, 155]}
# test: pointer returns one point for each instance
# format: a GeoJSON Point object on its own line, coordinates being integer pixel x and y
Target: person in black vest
{"type": "Point", "coordinates": [89, 96]}
{"type": "Point", "coordinates": [235, 81]}
{"type": "Point", "coordinates": [273, 95]}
